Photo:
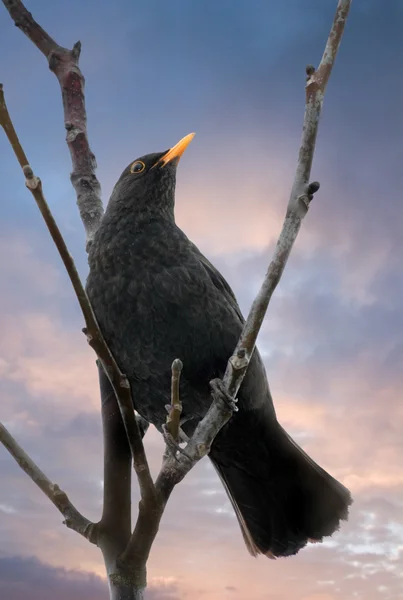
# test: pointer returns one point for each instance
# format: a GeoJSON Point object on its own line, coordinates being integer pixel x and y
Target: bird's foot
{"type": "Point", "coordinates": [220, 392]}
{"type": "Point", "coordinates": [172, 446]}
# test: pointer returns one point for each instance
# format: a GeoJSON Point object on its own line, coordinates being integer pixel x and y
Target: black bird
{"type": "Point", "coordinates": [157, 298]}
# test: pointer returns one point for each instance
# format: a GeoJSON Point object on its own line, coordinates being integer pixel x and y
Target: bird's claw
{"type": "Point", "coordinates": [172, 445]}
{"type": "Point", "coordinates": [220, 392]}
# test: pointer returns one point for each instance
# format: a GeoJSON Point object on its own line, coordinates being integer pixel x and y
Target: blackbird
{"type": "Point", "coordinates": [157, 298]}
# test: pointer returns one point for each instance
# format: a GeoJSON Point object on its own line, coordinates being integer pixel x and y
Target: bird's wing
{"type": "Point", "coordinates": [219, 282]}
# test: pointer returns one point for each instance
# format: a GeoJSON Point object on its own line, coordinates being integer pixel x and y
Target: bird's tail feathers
{"type": "Point", "coordinates": [281, 497]}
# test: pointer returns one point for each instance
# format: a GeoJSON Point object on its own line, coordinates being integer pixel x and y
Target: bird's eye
{"type": "Point", "coordinates": [137, 167]}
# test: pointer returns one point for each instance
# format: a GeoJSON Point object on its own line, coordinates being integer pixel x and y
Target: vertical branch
{"type": "Point", "coordinates": [175, 412]}
{"type": "Point", "coordinates": [116, 515]}
{"type": "Point", "coordinates": [64, 64]}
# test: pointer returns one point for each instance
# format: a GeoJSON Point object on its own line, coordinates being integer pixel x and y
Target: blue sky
{"type": "Point", "coordinates": [234, 73]}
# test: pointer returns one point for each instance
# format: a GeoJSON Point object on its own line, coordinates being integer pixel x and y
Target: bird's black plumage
{"type": "Point", "coordinates": [157, 298]}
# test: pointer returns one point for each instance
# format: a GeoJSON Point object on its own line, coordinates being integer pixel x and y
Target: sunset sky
{"type": "Point", "coordinates": [233, 72]}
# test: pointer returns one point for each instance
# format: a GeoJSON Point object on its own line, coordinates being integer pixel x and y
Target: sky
{"type": "Point", "coordinates": [332, 341]}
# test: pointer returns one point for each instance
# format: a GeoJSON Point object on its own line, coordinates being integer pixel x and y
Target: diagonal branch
{"type": "Point", "coordinates": [95, 338]}
{"type": "Point", "coordinates": [73, 519]}
{"type": "Point", "coordinates": [64, 64]}
{"type": "Point", "coordinates": [174, 468]}
{"type": "Point", "coordinates": [298, 205]}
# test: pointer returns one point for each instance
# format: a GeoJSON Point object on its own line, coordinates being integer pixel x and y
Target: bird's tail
{"type": "Point", "coordinates": [281, 497]}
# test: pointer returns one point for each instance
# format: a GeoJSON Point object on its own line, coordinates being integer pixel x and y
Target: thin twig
{"type": "Point", "coordinates": [173, 420]}
{"type": "Point", "coordinates": [64, 64]}
{"type": "Point", "coordinates": [94, 335]}
{"type": "Point", "coordinates": [73, 519]}
{"type": "Point", "coordinates": [149, 516]}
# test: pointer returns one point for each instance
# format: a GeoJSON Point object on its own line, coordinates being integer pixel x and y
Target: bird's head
{"type": "Point", "coordinates": [148, 183]}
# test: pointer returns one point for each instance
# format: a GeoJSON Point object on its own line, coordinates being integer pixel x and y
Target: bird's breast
{"type": "Point", "coordinates": [147, 291]}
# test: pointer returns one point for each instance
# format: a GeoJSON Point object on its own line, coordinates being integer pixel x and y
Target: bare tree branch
{"type": "Point", "coordinates": [73, 519]}
{"type": "Point", "coordinates": [64, 64]}
{"type": "Point", "coordinates": [300, 198]}
{"type": "Point", "coordinates": [116, 513]}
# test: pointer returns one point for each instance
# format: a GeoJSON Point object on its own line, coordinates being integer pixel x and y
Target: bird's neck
{"type": "Point", "coordinates": [133, 219]}
{"type": "Point", "coordinates": [155, 204]}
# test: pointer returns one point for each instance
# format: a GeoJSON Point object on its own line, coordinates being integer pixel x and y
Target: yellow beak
{"type": "Point", "coordinates": [177, 150]}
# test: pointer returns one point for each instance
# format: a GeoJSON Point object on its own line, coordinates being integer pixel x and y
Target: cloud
{"type": "Point", "coordinates": [164, 588]}
{"type": "Point", "coordinates": [28, 577]}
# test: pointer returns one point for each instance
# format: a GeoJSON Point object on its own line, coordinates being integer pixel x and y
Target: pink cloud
{"type": "Point", "coordinates": [48, 360]}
